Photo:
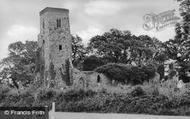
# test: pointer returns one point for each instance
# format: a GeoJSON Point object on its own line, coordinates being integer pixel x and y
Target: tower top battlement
{"type": "Point", "coordinates": [51, 9]}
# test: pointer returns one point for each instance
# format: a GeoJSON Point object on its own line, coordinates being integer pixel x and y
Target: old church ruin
{"type": "Point", "coordinates": [54, 55]}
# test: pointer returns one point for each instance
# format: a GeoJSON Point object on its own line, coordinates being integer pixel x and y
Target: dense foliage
{"type": "Point", "coordinates": [123, 47]}
{"type": "Point", "coordinates": [127, 74]}
{"type": "Point", "coordinates": [92, 62]}
{"type": "Point", "coordinates": [78, 52]}
{"type": "Point", "coordinates": [137, 101]}
{"type": "Point", "coordinates": [19, 65]}
{"type": "Point", "coordinates": [178, 48]}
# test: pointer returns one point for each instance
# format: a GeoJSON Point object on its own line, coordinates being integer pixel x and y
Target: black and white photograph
{"type": "Point", "coordinates": [94, 59]}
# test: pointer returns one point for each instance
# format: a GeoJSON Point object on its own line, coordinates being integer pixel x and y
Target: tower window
{"type": "Point", "coordinates": [43, 24]}
{"type": "Point", "coordinates": [43, 41]}
{"type": "Point", "coordinates": [58, 23]}
{"type": "Point", "coordinates": [60, 47]}
{"type": "Point", "coordinates": [98, 79]}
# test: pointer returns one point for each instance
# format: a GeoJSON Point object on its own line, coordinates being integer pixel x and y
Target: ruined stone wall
{"type": "Point", "coordinates": [89, 80]}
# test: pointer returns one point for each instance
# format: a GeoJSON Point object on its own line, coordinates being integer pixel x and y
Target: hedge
{"type": "Point", "coordinates": [102, 102]}
{"type": "Point", "coordinates": [127, 74]}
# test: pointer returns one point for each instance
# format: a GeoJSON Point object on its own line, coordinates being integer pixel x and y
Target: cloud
{"type": "Point", "coordinates": [71, 5]}
{"type": "Point", "coordinates": [103, 7]}
{"type": "Point", "coordinates": [22, 33]}
{"type": "Point", "coordinates": [89, 33]}
{"type": "Point", "coordinates": [163, 35]}
{"type": "Point", "coordinates": [20, 18]}
{"type": "Point", "coordinates": [17, 33]}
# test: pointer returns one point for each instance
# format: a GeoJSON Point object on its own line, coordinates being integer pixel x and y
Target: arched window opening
{"type": "Point", "coordinates": [98, 79]}
{"type": "Point", "coordinates": [58, 23]}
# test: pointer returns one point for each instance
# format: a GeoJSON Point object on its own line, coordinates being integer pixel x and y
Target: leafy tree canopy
{"type": "Point", "coordinates": [19, 65]}
{"type": "Point", "coordinates": [123, 47]}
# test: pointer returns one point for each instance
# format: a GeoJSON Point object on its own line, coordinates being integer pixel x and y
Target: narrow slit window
{"type": "Point", "coordinates": [60, 47]}
{"type": "Point", "coordinates": [43, 24]}
{"type": "Point", "coordinates": [98, 79]}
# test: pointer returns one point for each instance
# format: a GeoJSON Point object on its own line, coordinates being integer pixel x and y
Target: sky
{"type": "Point", "coordinates": [19, 19]}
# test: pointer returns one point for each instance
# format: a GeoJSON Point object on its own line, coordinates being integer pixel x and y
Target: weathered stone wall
{"type": "Point", "coordinates": [55, 42]}
{"type": "Point", "coordinates": [89, 80]}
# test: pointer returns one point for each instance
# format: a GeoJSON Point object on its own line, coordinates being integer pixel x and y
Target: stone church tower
{"type": "Point", "coordinates": [55, 48]}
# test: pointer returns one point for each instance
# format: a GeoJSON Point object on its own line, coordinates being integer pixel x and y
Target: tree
{"type": "Point", "coordinates": [184, 8]}
{"type": "Point", "coordinates": [123, 47]}
{"type": "Point", "coordinates": [78, 51]}
{"type": "Point", "coordinates": [92, 62]}
{"type": "Point", "coordinates": [112, 45]}
{"type": "Point", "coordinates": [19, 65]}
{"type": "Point", "coordinates": [179, 48]}
{"type": "Point", "coordinates": [149, 49]}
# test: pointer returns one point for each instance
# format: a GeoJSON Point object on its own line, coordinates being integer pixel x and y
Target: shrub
{"type": "Point", "coordinates": [92, 62]}
{"type": "Point", "coordinates": [117, 103]}
{"type": "Point", "coordinates": [136, 101]}
{"type": "Point", "coordinates": [74, 95]}
{"type": "Point", "coordinates": [127, 74]}
{"type": "Point", "coordinates": [46, 94]}
{"type": "Point", "coordinates": [3, 91]}
{"type": "Point", "coordinates": [138, 91]}
{"type": "Point", "coordinates": [149, 70]}
{"type": "Point", "coordinates": [160, 70]}
{"type": "Point", "coordinates": [151, 88]}
{"type": "Point", "coordinates": [11, 100]}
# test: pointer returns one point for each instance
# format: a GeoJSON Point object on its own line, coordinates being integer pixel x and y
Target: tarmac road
{"type": "Point", "coordinates": [68, 115]}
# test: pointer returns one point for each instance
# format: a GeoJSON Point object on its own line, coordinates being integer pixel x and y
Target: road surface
{"type": "Point", "coordinates": [68, 115]}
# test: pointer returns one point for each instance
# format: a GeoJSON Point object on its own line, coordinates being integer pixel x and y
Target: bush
{"type": "Point", "coordinates": [3, 91]}
{"type": "Point", "coordinates": [74, 95]}
{"type": "Point", "coordinates": [127, 74]}
{"type": "Point", "coordinates": [149, 70]}
{"type": "Point", "coordinates": [26, 99]}
{"type": "Point", "coordinates": [92, 62]}
{"type": "Point", "coordinates": [138, 91]}
{"type": "Point", "coordinates": [137, 101]}
{"type": "Point", "coordinates": [160, 70]}
{"type": "Point", "coordinates": [46, 94]}
{"type": "Point", "coordinates": [116, 103]}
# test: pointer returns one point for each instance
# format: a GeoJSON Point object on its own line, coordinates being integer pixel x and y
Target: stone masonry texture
{"type": "Point", "coordinates": [55, 43]}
